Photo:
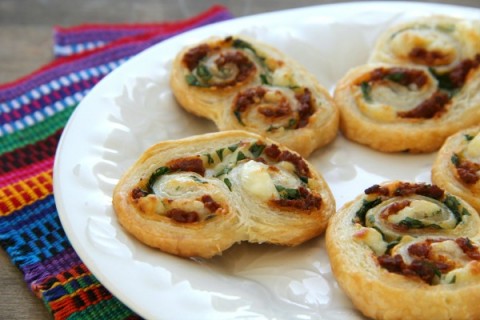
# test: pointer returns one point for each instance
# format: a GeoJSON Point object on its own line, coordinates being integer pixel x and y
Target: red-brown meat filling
{"type": "Point", "coordinates": [244, 65]}
{"type": "Point", "coordinates": [137, 193]}
{"type": "Point", "coordinates": [306, 108]}
{"type": "Point", "coordinates": [424, 265]}
{"type": "Point", "coordinates": [394, 208]}
{"type": "Point", "coordinates": [402, 76]}
{"type": "Point", "coordinates": [282, 108]}
{"type": "Point", "coordinates": [459, 74]}
{"type": "Point", "coordinates": [183, 216]}
{"type": "Point", "coordinates": [192, 164]}
{"type": "Point", "coordinates": [428, 108]}
{"type": "Point", "coordinates": [209, 203]}
{"type": "Point", "coordinates": [429, 58]}
{"type": "Point", "coordinates": [249, 97]}
{"type": "Point", "coordinates": [301, 167]}
{"type": "Point", "coordinates": [194, 55]}
{"type": "Point", "coordinates": [305, 201]}
{"type": "Point", "coordinates": [405, 189]}
{"type": "Point", "coordinates": [467, 171]}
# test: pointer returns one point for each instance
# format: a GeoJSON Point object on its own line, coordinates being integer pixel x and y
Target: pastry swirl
{"type": "Point", "coordinates": [437, 42]}
{"type": "Point", "coordinates": [457, 166]}
{"type": "Point", "coordinates": [407, 251]}
{"type": "Point", "coordinates": [242, 84]}
{"type": "Point", "coordinates": [398, 108]}
{"type": "Point", "coordinates": [200, 195]}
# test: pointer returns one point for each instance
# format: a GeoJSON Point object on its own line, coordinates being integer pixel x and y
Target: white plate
{"type": "Point", "coordinates": [133, 108]}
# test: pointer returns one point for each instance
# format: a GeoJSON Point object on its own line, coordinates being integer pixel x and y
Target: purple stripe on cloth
{"type": "Point", "coordinates": [65, 39]}
{"type": "Point", "coordinates": [36, 273]}
{"type": "Point", "coordinates": [91, 35]}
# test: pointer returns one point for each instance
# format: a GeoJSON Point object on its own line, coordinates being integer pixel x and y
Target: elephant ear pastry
{"type": "Point", "coordinates": [242, 84]}
{"type": "Point", "coordinates": [407, 251]}
{"type": "Point", "coordinates": [197, 196]}
{"type": "Point", "coordinates": [398, 108]}
{"type": "Point", "coordinates": [457, 166]}
{"type": "Point", "coordinates": [438, 42]}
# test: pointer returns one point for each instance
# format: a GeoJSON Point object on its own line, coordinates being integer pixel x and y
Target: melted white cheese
{"type": "Point", "coordinates": [372, 238]}
{"type": "Point", "coordinates": [465, 270]}
{"type": "Point", "coordinates": [449, 249]}
{"type": "Point", "coordinates": [286, 176]}
{"type": "Point", "coordinates": [425, 211]}
{"type": "Point", "coordinates": [472, 152]}
{"type": "Point", "coordinates": [256, 180]}
{"type": "Point", "coordinates": [282, 77]}
{"type": "Point", "coordinates": [177, 184]}
{"type": "Point", "coordinates": [468, 274]}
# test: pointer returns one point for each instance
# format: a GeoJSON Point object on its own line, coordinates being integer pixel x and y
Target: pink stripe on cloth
{"type": "Point", "coordinates": [25, 172]}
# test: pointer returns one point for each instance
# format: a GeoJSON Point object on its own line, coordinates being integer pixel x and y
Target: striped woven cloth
{"type": "Point", "coordinates": [33, 112]}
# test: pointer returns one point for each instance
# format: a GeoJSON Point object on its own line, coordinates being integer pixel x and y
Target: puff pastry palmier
{"type": "Point", "coordinates": [197, 196]}
{"type": "Point", "coordinates": [407, 251]}
{"type": "Point", "coordinates": [393, 108]}
{"type": "Point", "coordinates": [242, 84]}
{"type": "Point", "coordinates": [457, 166]}
{"type": "Point", "coordinates": [439, 42]}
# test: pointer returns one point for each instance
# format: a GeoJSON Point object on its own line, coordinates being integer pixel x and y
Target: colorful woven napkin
{"type": "Point", "coordinates": [33, 113]}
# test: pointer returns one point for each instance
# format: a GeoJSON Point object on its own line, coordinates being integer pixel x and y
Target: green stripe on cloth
{"type": "Point", "coordinates": [37, 132]}
{"type": "Point", "coordinates": [106, 309]}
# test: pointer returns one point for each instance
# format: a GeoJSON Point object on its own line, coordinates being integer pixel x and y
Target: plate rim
{"type": "Point", "coordinates": [76, 243]}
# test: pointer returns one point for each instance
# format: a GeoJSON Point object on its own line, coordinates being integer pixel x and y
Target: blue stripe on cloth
{"type": "Point", "coordinates": [73, 285]}
{"type": "Point", "coordinates": [33, 233]}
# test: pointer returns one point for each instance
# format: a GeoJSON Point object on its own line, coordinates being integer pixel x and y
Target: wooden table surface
{"type": "Point", "coordinates": [26, 44]}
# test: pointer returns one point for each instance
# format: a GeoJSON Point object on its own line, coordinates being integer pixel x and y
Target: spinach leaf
{"type": "Point", "coordinates": [209, 158]}
{"type": "Point", "coordinates": [242, 44]}
{"type": "Point", "coordinates": [238, 115]}
{"type": "Point", "coordinates": [395, 77]}
{"type": "Point", "coordinates": [240, 156]}
{"type": "Point", "coordinates": [287, 193]}
{"type": "Point", "coordinates": [233, 147]}
{"type": "Point", "coordinates": [366, 90]}
{"type": "Point", "coordinates": [411, 223]}
{"type": "Point", "coordinates": [256, 149]}
{"type": "Point", "coordinates": [455, 160]}
{"type": "Point", "coordinates": [203, 72]}
{"type": "Point", "coordinates": [192, 80]}
{"type": "Point", "coordinates": [196, 179]}
{"type": "Point", "coordinates": [228, 183]}
{"type": "Point", "coordinates": [220, 154]}
{"type": "Point", "coordinates": [222, 172]}
{"type": "Point", "coordinates": [304, 179]}
{"type": "Point", "coordinates": [454, 205]}
{"type": "Point", "coordinates": [366, 205]}
{"type": "Point", "coordinates": [291, 124]}
{"type": "Point", "coordinates": [155, 175]}
{"type": "Point", "coordinates": [265, 79]}
{"type": "Point", "coordinates": [444, 82]}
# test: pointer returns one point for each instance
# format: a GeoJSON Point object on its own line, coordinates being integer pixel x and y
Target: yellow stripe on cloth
{"type": "Point", "coordinates": [17, 195]}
